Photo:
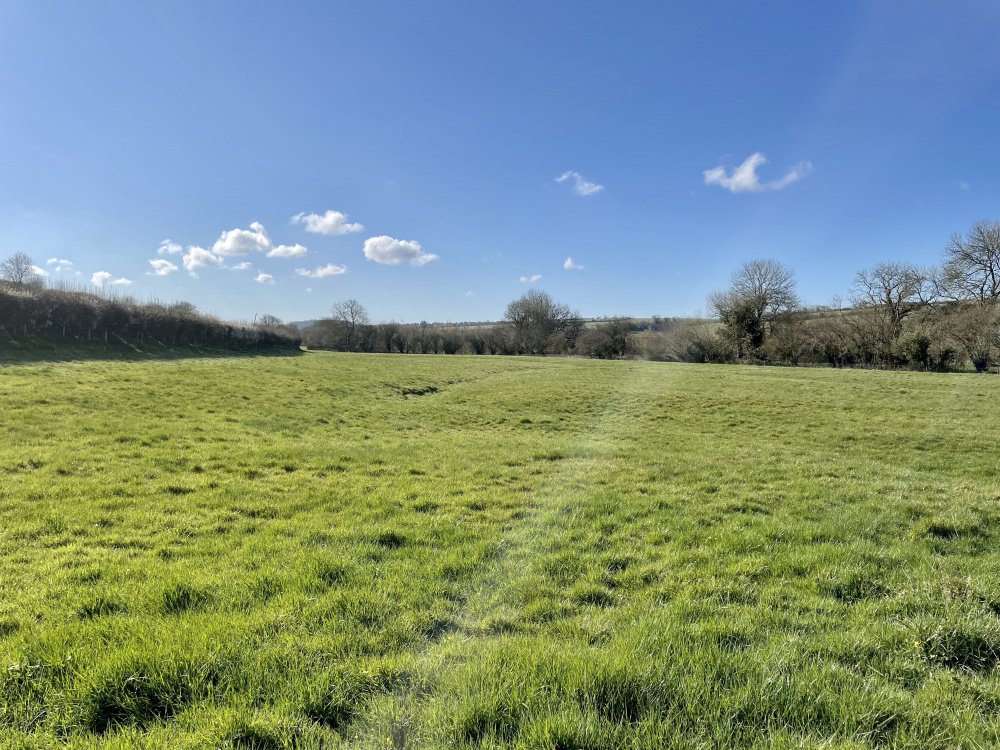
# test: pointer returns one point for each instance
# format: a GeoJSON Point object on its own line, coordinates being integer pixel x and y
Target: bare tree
{"type": "Point", "coordinates": [536, 320]}
{"type": "Point", "coordinates": [768, 285]}
{"type": "Point", "coordinates": [499, 339]}
{"type": "Point", "coordinates": [386, 334]}
{"type": "Point", "coordinates": [352, 316]}
{"type": "Point", "coordinates": [760, 293]}
{"type": "Point", "coordinates": [972, 263]}
{"type": "Point", "coordinates": [20, 269]}
{"type": "Point", "coordinates": [886, 294]}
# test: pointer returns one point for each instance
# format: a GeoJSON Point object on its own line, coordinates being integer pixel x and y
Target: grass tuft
{"type": "Point", "coordinates": [176, 598]}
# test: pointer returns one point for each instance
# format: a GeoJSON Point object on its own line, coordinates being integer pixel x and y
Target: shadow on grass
{"type": "Point", "coordinates": [40, 350]}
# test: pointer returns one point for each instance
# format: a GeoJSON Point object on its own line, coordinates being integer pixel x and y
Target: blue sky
{"type": "Point", "coordinates": [436, 134]}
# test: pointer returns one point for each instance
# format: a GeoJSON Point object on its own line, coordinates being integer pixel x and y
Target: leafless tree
{"type": "Point", "coordinates": [886, 294]}
{"type": "Point", "coordinates": [20, 269]}
{"type": "Point", "coordinates": [765, 284]}
{"type": "Point", "coordinates": [352, 316]}
{"type": "Point", "coordinates": [386, 335]}
{"type": "Point", "coordinates": [536, 320]}
{"type": "Point", "coordinates": [972, 263]}
{"type": "Point", "coordinates": [760, 293]}
{"type": "Point", "coordinates": [499, 339]}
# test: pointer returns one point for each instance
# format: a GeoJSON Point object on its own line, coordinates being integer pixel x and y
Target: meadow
{"type": "Point", "coordinates": [372, 551]}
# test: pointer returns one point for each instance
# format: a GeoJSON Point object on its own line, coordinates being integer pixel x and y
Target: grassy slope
{"type": "Point", "coordinates": [44, 349]}
{"type": "Point", "coordinates": [399, 551]}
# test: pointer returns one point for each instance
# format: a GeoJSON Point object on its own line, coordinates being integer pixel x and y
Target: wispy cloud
{"type": "Point", "coordinates": [744, 178]}
{"type": "Point", "coordinates": [103, 278]}
{"type": "Point", "coordinates": [392, 252]}
{"type": "Point", "coordinates": [322, 272]}
{"type": "Point", "coordinates": [264, 278]}
{"type": "Point", "coordinates": [59, 265]}
{"type": "Point", "coordinates": [581, 185]}
{"type": "Point", "coordinates": [964, 185]}
{"type": "Point", "coordinates": [569, 265]}
{"type": "Point", "coordinates": [332, 222]}
{"type": "Point", "coordinates": [531, 279]}
{"type": "Point", "coordinates": [244, 266]}
{"type": "Point", "coordinates": [162, 267]}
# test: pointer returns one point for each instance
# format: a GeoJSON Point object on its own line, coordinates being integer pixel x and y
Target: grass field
{"type": "Point", "coordinates": [386, 551]}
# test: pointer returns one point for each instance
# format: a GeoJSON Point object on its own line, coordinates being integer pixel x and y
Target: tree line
{"type": "Point", "coordinates": [895, 315]}
{"type": "Point", "coordinates": [534, 324]}
{"type": "Point", "coordinates": [30, 308]}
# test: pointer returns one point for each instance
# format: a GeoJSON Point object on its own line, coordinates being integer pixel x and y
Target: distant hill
{"type": "Point", "coordinates": [300, 324]}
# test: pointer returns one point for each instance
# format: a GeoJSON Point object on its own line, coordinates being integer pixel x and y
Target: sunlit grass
{"type": "Point", "coordinates": [386, 551]}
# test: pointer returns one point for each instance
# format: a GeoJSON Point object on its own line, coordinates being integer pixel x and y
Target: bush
{"type": "Point", "coordinates": [31, 309]}
{"type": "Point", "coordinates": [612, 340]}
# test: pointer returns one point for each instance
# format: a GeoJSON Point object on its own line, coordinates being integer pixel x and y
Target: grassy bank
{"type": "Point", "coordinates": [39, 349]}
{"type": "Point", "coordinates": [376, 551]}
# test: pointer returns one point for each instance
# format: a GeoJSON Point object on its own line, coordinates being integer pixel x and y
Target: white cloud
{"type": "Point", "coordinates": [531, 279]}
{"type": "Point", "coordinates": [581, 186]}
{"type": "Point", "coordinates": [287, 251]}
{"type": "Point", "coordinates": [103, 278]}
{"type": "Point", "coordinates": [264, 278]}
{"type": "Point", "coordinates": [244, 266]}
{"type": "Point", "coordinates": [744, 178]}
{"type": "Point", "coordinates": [964, 185]}
{"type": "Point", "coordinates": [198, 257]}
{"type": "Point", "coordinates": [59, 265]}
{"type": "Point", "coordinates": [392, 252]}
{"type": "Point", "coordinates": [323, 271]}
{"type": "Point", "coordinates": [169, 248]}
{"type": "Point", "coordinates": [332, 222]}
{"type": "Point", "coordinates": [162, 267]}
{"type": "Point", "coordinates": [569, 265]}
{"type": "Point", "coordinates": [254, 240]}
{"type": "Point", "coordinates": [470, 293]}
{"type": "Point", "coordinates": [243, 241]}
{"type": "Point", "coordinates": [39, 271]}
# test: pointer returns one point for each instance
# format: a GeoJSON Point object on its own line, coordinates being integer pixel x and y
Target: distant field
{"type": "Point", "coordinates": [337, 550]}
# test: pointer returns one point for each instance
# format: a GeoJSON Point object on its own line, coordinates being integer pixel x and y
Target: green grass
{"type": "Point", "coordinates": [385, 551]}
